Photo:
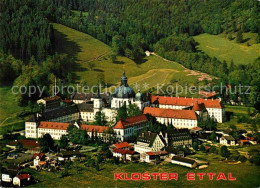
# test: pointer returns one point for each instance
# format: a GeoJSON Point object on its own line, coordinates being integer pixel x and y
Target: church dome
{"type": "Point", "coordinates": [124, 91]}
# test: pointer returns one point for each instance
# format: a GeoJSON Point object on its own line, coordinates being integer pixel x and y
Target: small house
{"type": "Point", "coordinates": [227, 140]}
{"type": "Point", "coordinates": [123, 145]}
{"type": "Point", "coordinates": [184, 162]}
{"type": "Point", "coordinates": [8, 173]}
{"type": "Point", "coordinates": [123, 154]}
{"type": "Point", "coordinates": [148, 141]}
{"type": "Point", "coordinates": [22, 179]}
{"type": "Point", "coordinates": [153, 156]}
{"type": "Point", "coordinates": [37, 157]}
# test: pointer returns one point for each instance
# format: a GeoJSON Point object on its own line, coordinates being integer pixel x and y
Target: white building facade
{"type": "Point", "coordinates": [214, 106]}
{"type": "Point", "coordinates": [171, 117]}
{"type": "Point", "coordinates": [148, 141]}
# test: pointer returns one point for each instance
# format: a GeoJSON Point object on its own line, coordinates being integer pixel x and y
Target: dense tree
{"type": "Point", "coordinates": [213, 136]}
{"type": "Point", "coordinates": [224, 152]}
{"type": "Point", "coordinates": [121, 113]}
{"type": "Point", "coordinates": [202, 148]}
{"type": "Point", "coordinates": [195, 146]}
{"type": "Point", "coordinates": [155, 126]}
{"type": "Point", "coordinates": [133, 110]}
{"type": "Point", "coordinates": [10, 68]}
{"type": "Point", "coordinates": [239, 38]}
{"type": "Point", "coordinates": [209, 124]}
{"type": "Point", "coordinates": [77, 136]}
{"type": "Point", "coordinates": [64, 141]}
{"type": "Point", "coordinates": [100, 118]}
{"type": "Point", "coordinates": [46, 143]}
{"type": "Point", "coordinates": [24, 29]}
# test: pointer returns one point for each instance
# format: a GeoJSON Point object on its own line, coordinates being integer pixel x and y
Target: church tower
{"type": "Point", "coordinates": [97, 100]}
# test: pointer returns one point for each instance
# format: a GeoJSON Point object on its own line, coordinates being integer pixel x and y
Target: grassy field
{"type": "Point", "coordinates": [223, 49]}
{"type": "Point", "coordinates": [236, 111]}
{"type": "Point", "coordinates": [246, 174]}
{"type": "Point", "coordinates": [9, 111]}
{"type": "Point", "coordinates": [86, 49]}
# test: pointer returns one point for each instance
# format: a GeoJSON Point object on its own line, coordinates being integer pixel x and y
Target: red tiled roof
{"type": "Point", "coordinates": [42, 162]}
{"type": "Point", "coordinates": [25, 143]}
{"type": "Point", "coordinates": [196, 128]}
{"type": "Point", "coordinates": [67, 101]}
{"type": "Point", "coordinates": [198, 107]}
{"type": "Point", "coordinates": [53, 125]}
{"type": "Point", "coordinates": [131, 121]}
{"type": "Point", "coordinates": [123, 151]}
{"type": "Point", "coordinates": [122, 145]}
{"type": "Point", "coordinates": [208, 94]}
{"type": "Point", "coordinates": [206, 147]}
{"type": "Point", "coordinates": [181, 101]}
{"type": "Point", "coordinates": [23, 176]}
{"type": "Point", "coordinates": [250, 138]}
{"type": "Point", "coordinates": [171, 113]}
{"type": "Point", "coordinates": [51, 98]}
{"type": "Point", "coordinates": [243, 140]}
{"type": "Point", "coordinates": [95, 128]}
{"type": "Point", "coordinates": [157, 153]}
{"type": "Point", "coordinates": [38, 154]}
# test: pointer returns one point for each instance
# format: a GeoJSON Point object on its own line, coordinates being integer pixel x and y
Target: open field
{"type": "Point", "coordinates": [86, 49]}
{"type": "Point", "coordinates": [9, 111]}
{"type": "Point", "coordinates": [85, 176]}
{"type": "Point", "coordinates": [236, 111]}
{"type": "Point", "coordinates": [223, 49]}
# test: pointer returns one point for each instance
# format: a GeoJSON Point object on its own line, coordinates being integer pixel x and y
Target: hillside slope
{"type": "Point", "coordinates": [224, 49]}
{"type": "Point", "coordinates": [85, 49]}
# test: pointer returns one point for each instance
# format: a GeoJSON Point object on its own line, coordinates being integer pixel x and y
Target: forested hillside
{"type": "Point", "coordinates": [149, 21]}
{"type": "Point", "coordinates": [129, 27]}
{"type": "Point", "coordinates": [25, 29]}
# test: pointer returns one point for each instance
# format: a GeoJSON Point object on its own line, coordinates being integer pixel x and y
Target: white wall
{"type": "Point", "coordinates": [31, 130]}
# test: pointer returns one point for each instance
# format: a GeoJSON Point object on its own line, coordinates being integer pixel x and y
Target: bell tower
{"type": "Point", "coordinates": [97, 100]}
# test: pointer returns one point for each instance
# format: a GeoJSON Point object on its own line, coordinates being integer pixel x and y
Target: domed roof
{"type": "Point", "coordinates": [124, 91]}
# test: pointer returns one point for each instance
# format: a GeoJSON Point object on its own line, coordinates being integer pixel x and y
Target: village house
{"type": "Point", "coordinates": [78, 98]}
{"type": "Point", "coordinates": [37, 157]}
{"type": "Point", "coordinates": [22, 179]}
{"type": "Point", "coordinates": [184, 162]}
{"type": "Point", "coordinates": [195, 130]}
{"type": "Point", "coordinates": [172, 117]}
{"type": "Point", "coordinates": [96, 131]}
{"type": "Point", "coordinates": [214, 107]}
{"type": "Point", "coordinates": [70, 155]}
{"type": "Point", "coordinates": [124, 154]}
{"type": "Point", "coordinates": [153, 156]}
{"type": "Point", "coordinates": [227, 140]}
{"type": "Point", "coordinates": [129, 127]}
{"type": "Point", "coordinates": [8, 173]}
{"type": "Point", "coordinates": [86, 111]}
{"type": "Point", "coordinates": [28, 145]}
{"type": "Point", "coordinates": [123, 145]}
{"type": "Point", "coordinates": [148, 141]}
{"type": "Point", "coordinates": [177, 137]}
{"type": "Point", "coordinates": [50, 103]}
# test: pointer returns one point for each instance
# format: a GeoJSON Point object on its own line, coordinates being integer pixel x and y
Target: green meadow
{"type": "Point", "coordinates": [235, 112]}
{"type": "Point", "coordinates": [9, 111]}
{"type": "Point", "coordinates": [224, 49]}
{"type": "Point", "coordinates": [246, 175]}
{"type": "Point", "coordinates": [87, 50]}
